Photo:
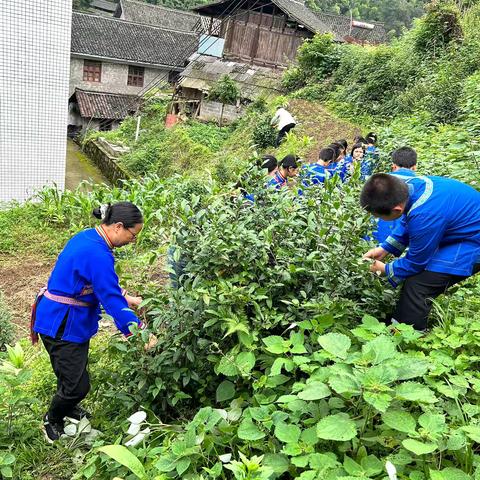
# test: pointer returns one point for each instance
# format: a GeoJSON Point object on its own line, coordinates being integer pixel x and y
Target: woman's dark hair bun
{"type": "Point", "coordinates": [97, 213]}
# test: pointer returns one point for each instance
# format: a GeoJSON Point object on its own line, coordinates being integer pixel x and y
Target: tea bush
{"type": "Point", "coordinates": [7, 329]}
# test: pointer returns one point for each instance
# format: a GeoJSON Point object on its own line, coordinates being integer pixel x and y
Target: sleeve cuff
{"type": "Point", "coordinates": [124, 292]}
{"type": "Point", "coordinates": [141, 326]}
{"type": "Point", "coordinates": [393, 246]}
{"type": "Point", "coordinates": [390, 273]}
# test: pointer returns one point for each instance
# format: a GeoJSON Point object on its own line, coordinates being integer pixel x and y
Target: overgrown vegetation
{"type": "Point", "coordinates": [272, 360]}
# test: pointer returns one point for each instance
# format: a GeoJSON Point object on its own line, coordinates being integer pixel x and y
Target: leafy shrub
{"type": "Point", "coordinates": [294, 78]}
{"type": "Point", "coordinates": [264, 135]}
{"type": "Point", "coordinates": [439, 27]}
{"type": "Point", "coordinates": [225, 90]}
{"type": "Point", "coordinates": [318, 57]}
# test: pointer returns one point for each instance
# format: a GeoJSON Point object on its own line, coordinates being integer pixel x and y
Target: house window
{"type": "Point", "coordinates": [92, 71]}
{"type": "Point", "coordinates": [135, 76]}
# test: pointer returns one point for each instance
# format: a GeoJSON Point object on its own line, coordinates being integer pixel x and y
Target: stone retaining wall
{"type": "Point", "coordinates": [107, 164]}
{"type": "Point", "coordinates": [212, 111]}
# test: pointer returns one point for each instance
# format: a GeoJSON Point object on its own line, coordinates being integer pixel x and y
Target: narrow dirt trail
{"type": "Point", "coordinates": [317, 122]}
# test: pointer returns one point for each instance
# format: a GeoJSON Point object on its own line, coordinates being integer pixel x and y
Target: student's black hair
{"type": "Point", "coordinates": [290, 161]}
{"type": "Point", "coordinates": [343, 143]}
{"type": "Point", "coordinates": [328, 154]}
{"type": "Point", "coordinates": [404, 157]}
{"type": "Point", "coordinates": [359, 139]}
{"type": "Point", "coordinates": [123, 212]}
{"type": "Point", "coordinates": [269, 162]}
{"type": "Point", "coordinates": [382, 192]}
{"type": "Point", "coordinates": [372, 137]}
{"type": "Point", "coordinates": [355, 146]}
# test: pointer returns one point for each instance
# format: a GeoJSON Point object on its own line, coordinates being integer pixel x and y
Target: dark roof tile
{"type": "Point", "coordinates": [117, 39]}
{"type": "Point", "coordinates": [112, 106]}
{"type": "Point", "coordinates": [146, 13]}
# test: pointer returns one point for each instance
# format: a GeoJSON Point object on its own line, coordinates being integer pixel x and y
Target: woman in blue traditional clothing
{"type": "Point", "coordinates": [67, 311]}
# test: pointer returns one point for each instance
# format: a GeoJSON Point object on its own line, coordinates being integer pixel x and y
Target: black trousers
{"type": "Point", "coordinates": [417, 293]}
{"type": "Point", "coordinates": [283, 133]}
{"type": "Point", "coordinates": [69, 362]}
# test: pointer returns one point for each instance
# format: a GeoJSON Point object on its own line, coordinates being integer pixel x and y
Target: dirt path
{"type": "Point", "coordinates": [316, 122]}
{"type": "Point", "coordinates": [20, 279]}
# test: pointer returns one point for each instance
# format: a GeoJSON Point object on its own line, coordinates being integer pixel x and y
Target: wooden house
{"type": "Point", "coordinates": [269, 32]}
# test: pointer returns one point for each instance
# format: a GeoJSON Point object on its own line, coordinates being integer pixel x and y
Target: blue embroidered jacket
{"type": "Point", "coordinates": [85, 260]}
{"type": "Point", "coordinates": [277, 181]}
{"type": "Point", "coordinates": [384, 228]}
{"type": "Point", "coordinates": [441, 228]}
{"type": "Point", "coordinates": [316, 174]}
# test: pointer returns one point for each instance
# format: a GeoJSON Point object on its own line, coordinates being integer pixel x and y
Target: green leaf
{"type": "Point", "coordinates": [415, 392]}
{"type": "Point", "coordinates": [433, 423]}
{"type": "Point", "coordinates": [411, 368]}
{"type": "Point", "coordinates": [419, 448]}
{"type": "Point", "coordinates": [352, 467]}
{"type": "Point", "coordinates": [227, 366]}
{"type": "Point", "coordinates": [345, 384]}
{"type": "Point", "coordinates": [225, 391]}
{"type": "Point", "coordinates": [314, 391]}
{"type": "Point", "coordinates": [276, 344]}
{"type": "Point", "coordinates": [372, 465]}
{"type": "Point", "coordinates": [336, 344]}
{"type": "Point", "coordinates": [378, 350]}
{"type": "Point", "coordinates": [125, 457]}
{"type": "Point", "coordinates": [245, 361]}
{"type": "Point", "coordinates": [380, 401]}
{"type": "Point", "coordinates": [277, 462]}
{"type": "Point", "coordinates": [339, 427]}
{"type": "Point", "coordinates": [287, 433]}
{"type": "Point", "coordinates": [247, 430]}
{"type": "Point", "coordinates": [473, 432]}
{"type": "Point", "coordinates": [400, 420]}
{"type": "Point", "coordinates": [6, 472]}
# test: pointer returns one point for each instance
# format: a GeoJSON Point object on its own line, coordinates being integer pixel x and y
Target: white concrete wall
{"type": "Point", "coordinates": [34, 70]}
{"type": "Point", "coordinates": [114, 78]}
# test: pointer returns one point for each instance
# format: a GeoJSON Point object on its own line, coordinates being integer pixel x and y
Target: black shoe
{"type": "Point", "coordinates": [53, 431]}
{"type": "Point", "coordinates": [78, 413]}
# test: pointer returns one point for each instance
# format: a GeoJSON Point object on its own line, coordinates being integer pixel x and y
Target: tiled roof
{"type": "Point", "coordinates": [104, 37]}
{"type": "Point", "coordinates": [315, 22]}
{"type": "Point", "coordinates": [104, 5]}
{"type": "Point", "coordinates": [112, 106]}
{"type": "Point", "coordinates": [146, 13]}
{"type": "Point", "coordinates": [344, 28]}
{"type": "Point", "coordinates": [252, 80]}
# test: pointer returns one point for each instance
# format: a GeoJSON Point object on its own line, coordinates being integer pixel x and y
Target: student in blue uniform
{"type": "Point", "coordinates": [66, 313]}
{"type": "Point", "coordinates": [372, 156]}
{"type": "Point", "coordinates": [288, 168]}
{"type": "Point", "coordinates": [317, 173]}
{"type": "Point", "coordinates": [404, 164]}
{"type": "Point", "coordinates": [270, 163]}
{"type": "Point", "coordinates": [441, 229]}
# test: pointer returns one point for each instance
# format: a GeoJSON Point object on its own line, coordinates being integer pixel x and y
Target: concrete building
{"type": "Point", "coordinates": [117, 57]}
{"type": "Point", "coordinates": [34, 66]}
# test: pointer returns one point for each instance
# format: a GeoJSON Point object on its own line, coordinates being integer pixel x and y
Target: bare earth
{"type": "Point", "coordinates": [20, 280]}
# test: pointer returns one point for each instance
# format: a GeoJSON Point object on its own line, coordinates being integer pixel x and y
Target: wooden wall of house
{"type": "Point", "coordinates": [261, 38]}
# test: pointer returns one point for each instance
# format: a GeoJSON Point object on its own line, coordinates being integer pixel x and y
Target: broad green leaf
{"type": "Point", "coordinates": [314, 391]}
{"type": "Point", "coordinates": [336, 344]}
{"type": "Point", "coordinates": [339, 427]}
{"type": "Point", "coordinates": [372, 465]}
{"type": "Point", "coordinates": [419, 448]}
{"type": "Point", "coordinates": [399, 420]}
{"type": "Point", "coordinates": [433, 423]}
{"type": "Point", "coordinates": [276, 344]}
{"type": "Point", "coordinates": [277, 462]}
{"type": "Point", "coordinates": [225, 391]}
{"type": "Point", "coordinates": [247, 430]}
{"type": "Point", "coordinates": [245, 361]}
{"type": "Point", "coordinates": [227, 366]}
{"type": "Point", "coordinates": [415, 392]}
{"type": "Point", "coordinates": [125, 457]}
{"type": "Point", "coordinates": [473, 432]}
{"type": "Point", "coordinates": [287, 433]}
{"type": "Point", "coordinates": [380, 401]}
{"type": "Point", "coordinates": [352, 467]}
{"type": "Point", "coordinates": [378, 350]}
{"type": "Point", "coordinates": [345, 384]}
{"type": "Point", "coordinates": [410, 368]}
{"type": "Point", "coordinates": [449, 474]}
